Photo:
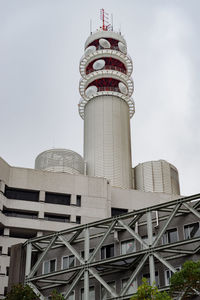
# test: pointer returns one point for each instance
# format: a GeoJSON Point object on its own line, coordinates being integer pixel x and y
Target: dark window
{"type": "Point", "coordinates": [0, 250]}
{"type": "Point", "coordinates": [9, 251]}
{"type": "Point", "coordinates": [83, 253]}
{"type": "Point", "coordinates": [49, 266]}
{"type": "Point", "coordinates": [170, 236]}
{"type": "Point", "coordinates": [191, 230]}
{"type": "Point", "coordinates": [78, 200]}
{"type": "Point", "coordinates": [107, 251]}
{"type": "Point", "coordinates": [63, 199]}
{"type": "Point", "coordinates": [19, 214]}
{"type": "Point", "coordinates": [118, 211]}
{"type": "Point", "coordinates": [22, 234]}
{"type": "Point", "coordinates": [78, 220]}
{"type": "Point", "coordinates": [20, 194]}
{"type": "Point", "coordinates": [68, 262]}
{"type": "Point", "coordinates": [57, 218]}
{"type": "Point", "coordinates": [7, 271]}
{"type": "Point", "coordinates": [5, 291]}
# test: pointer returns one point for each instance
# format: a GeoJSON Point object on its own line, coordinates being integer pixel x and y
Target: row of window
{"type": "Point", "coordinates": [34, 215]}
{"type": "Point", "coordinates": [132, 289]}
{"type": "Point", "coordinates": [190, 231]}
{"type": "Point", "coordinates": [29, 195]}
{"type": "Point", "coordinates": [107, 251]}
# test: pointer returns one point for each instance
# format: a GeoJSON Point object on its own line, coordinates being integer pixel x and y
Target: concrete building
{"type": "Point", "coordinates": [64, 189]}
{"type": "Point", "coordinates": [35, 203]}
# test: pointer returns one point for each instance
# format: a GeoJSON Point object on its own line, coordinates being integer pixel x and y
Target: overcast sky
{"type": "Point", "coordinates": [41, 43]}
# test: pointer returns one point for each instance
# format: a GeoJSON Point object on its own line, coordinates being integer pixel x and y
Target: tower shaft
{"type": "Point", "coordinates": [107, 146]}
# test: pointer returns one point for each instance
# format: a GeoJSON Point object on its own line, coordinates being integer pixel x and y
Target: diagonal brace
{"type": "Point", "coordinates": [36, 266]}
{"type": "Point", "coordinates": [166, 224]}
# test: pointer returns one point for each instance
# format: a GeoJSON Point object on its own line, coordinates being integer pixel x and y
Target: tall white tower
{"type": "Point", "coordinates": [106, 106]}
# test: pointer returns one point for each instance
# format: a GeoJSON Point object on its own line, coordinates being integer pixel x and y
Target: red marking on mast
{"type": "Point", "coordinates": [104, 18]}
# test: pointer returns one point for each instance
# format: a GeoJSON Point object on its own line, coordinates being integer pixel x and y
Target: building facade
{"type": "Point", "coordinates": [107, 259]}
{"type": "Point", "coordinates": [35, 203]}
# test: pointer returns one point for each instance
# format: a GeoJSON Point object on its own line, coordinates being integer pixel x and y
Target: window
{"type": "Point", "coordinates": [57, 218]}
{"type": "Point", "coordinates": [107, 251]}
{"type": "Point", "coordinates": [54, 198]}
{"type": "Point", "coordinates": [127, 247]}
{"type": "Point", "coordinates": [83, 253]}
{"type": "Point", "coordinates": [147, 276]}
{"type": "Point", "coordinates": [118, 211]}
{"type": "Point", "coordinates": [0, 250]}
{"type": "Point", "coordinates": [133, 287]}
{"type": "Point", "coordinates": [191, 230]}
{"type": "Point", "coordinates": [170, 236]}
{"type": "Point", "coordinates": [22, 233]}
{"type": "Point", "coordinates": [20, 194]}
{"type": "Point", "coordinates": [91, 293]}
{"type": "Point", "coordinates": [68, 262]}
{"type": "Point", "coordinates": [49, 266]}
{"type": "Point", "coordinates": [78, 220]}
{"type": "Point", "coordinates": [19, 213]}
{"type": "Point", "coordinates": [168, 275]}
{"type": "Point", "coordinates": [78, 200]}
{"type": "Point", "coordinates": [104, 293]}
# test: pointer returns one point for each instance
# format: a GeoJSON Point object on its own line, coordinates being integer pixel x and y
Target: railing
{"type": "Point", "coordinates": [108, 67]}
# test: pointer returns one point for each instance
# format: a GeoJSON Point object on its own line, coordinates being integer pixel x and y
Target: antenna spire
{"type": "Point", "coordinates": [104, 16]}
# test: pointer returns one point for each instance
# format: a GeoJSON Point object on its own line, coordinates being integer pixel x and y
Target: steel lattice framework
{"type": "Point", "coordinates": [89, 267]}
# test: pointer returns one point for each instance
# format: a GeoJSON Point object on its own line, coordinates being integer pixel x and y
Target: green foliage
{"type": "Point", "coordinates": [56, 296]}
{"type": "Point", "coordinates": [21, 292]}
{"type": "Point", "coordinates": [186, 280]}
{"type": "Point", "coordinates": [146, 291]}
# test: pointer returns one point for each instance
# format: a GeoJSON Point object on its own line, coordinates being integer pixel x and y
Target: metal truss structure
{"type": "Point", "coordinates": [151, 252]}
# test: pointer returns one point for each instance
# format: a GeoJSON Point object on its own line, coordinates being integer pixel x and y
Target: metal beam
{"type": "Point", "coordinates": [100, 279]}
{"type": "Point", "coordinates": [133, 233]}
{"type": "Point", "coordinates": [42, 255]}
{"type": "Point", "coordinates": [36, 291]}
{"type": "Point", "coordinates": [102, 241]}
{"type": "Point", "coordinates": [192, 210]}
{"type": "Point", "coordinates": [28, 259]}
{"type": "Point", "coordinates": [164, 262]}
{"type": "Point", "coordinates": [73, 284]}
{"type": "Point", "coordinates": [86, 257]}
{"type": "Point", "coordinates": [77, 233]}
{"type": "Point", "coordinates": [166, 224]}
{"type": "Point", "coordinates": [67, 244]}
{"type": "Point", "coordinates": [134, 274]}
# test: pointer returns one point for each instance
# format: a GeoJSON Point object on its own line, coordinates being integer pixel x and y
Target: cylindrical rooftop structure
{"type": "Point", "coordinates": [157, 176]}
{"type": "Point", "coordinates": [60, 160]}
{"type": "Point", "coordinates": [106, 107]}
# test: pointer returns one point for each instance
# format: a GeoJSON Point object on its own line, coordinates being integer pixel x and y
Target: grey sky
{"type": "Point", "coordinates": [41, 43]}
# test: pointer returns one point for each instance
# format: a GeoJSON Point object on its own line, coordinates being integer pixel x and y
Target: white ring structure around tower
{"type": "Point", "coordinates": [106, 107]}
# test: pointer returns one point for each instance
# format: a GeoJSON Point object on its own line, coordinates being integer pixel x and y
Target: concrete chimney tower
{"type": "Point", "coordinates": [106, 106]}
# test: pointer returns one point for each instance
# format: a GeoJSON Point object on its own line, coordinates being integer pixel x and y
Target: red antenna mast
{"type": "Point", "coordinates": [104, 18]}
